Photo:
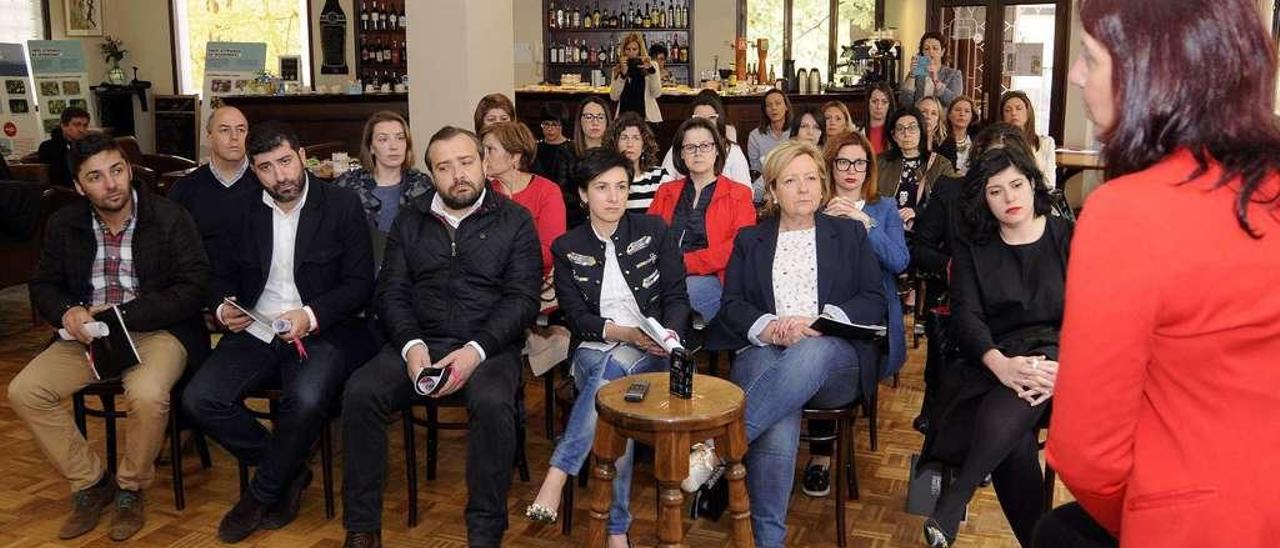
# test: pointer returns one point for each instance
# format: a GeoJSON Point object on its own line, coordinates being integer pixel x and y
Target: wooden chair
{"type": "Point", "coordinates": [846, 468]}
{"type": "Point", "coordinates": [326, 447]}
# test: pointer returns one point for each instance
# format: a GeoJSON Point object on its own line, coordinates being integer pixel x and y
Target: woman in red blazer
{"type": "Point", "coordinates": [1167, 409]}
{"type": "Point", "coordinates": [705, 209]}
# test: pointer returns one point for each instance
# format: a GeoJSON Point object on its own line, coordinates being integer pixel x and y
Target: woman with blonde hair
{"type": "Point", "coordinates": [839, 121]}
{"type": "Point", "coordinates": [386, 178]}
{"type": "Point", "coordinates": [636, 83]}
{"type": "Point", "coordinates": [931, 108]}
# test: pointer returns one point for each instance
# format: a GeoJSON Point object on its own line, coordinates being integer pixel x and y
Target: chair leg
{"type": "Point", "coordinates": [521, 461]}
{"type": "Point", "coordinates": [202, 448]}
{"type": "Point", "coordinates": [847, 449]}
{"type": "Point", "coordinates": [549, 402]}
{"type": "Point", "coordinates": [1050, 480]}
{"type": "Point", "coordinates": [109, 417]}
{"type": "Point", "coordinates": [175, 459]}
{"type": "Point", "coordinates": [872, 408]}
{"type": "Point", "coordinates": [78, 412]}
{"type": "Point", "coordinates": [566, 507]}
{"type": "Point", "coordinates": [433, 440]}
{"type": "Point", "coordinates": [411, 466]}
{"type": "Point", "coordinates": [842, 461]}
{"type": "Point", "coordinates": [326, 467]}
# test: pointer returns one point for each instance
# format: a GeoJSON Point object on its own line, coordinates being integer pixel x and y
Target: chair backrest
{"type": "Point", "coordinates": [132, 151]}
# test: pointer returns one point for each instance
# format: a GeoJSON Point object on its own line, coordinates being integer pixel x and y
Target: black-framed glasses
{"type": "Point", "coordinates": [845, 164]}
{"type": "Point", "coordinates": [906, 129]}
{"type": "Point", "coordinates": [592, 117]}
{"type": "Point", "coordinates": [702, 148]}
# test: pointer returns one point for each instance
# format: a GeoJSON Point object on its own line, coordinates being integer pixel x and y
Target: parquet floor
{"type": "Point", "coordinates": [33, 500]}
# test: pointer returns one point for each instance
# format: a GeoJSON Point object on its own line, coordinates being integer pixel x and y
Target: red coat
{"type": "Point", "coordinates": [1166, 417]}
{"type": "Point", "coordinates": [729, 210]}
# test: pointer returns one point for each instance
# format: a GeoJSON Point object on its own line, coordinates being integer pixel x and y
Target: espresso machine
{"type": "Point", "coordinates": [867, 61]}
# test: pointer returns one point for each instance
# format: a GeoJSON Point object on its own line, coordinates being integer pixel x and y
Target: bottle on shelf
{"type": "Point", "coordinates": [577, 18]}
{"type": "Point", "coordinates": [669, 19]}
{"type": "Point", "coordinates": [364, 15]}
{"type": "Point", "coordinates": [586, 18]}
{"type": "Point", "coordinates": [394, 22]}
{"type": "Point", "coordinates": [595, 16]}
{"type": "Point", "coordinates": [560, 17]}
{"type": "Point", "coordinates": [395, 52]}
{"type": "Point", "coordinates": [404, 21]}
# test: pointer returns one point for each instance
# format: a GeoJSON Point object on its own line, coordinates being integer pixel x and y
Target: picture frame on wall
{"type": "Point", "coordinates": [83, 17]}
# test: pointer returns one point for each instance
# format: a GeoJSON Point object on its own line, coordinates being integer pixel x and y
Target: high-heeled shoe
{"type": "Point", "coordinates": [935, 536]}
{"type": "Point", "coordinates": [538, 513]}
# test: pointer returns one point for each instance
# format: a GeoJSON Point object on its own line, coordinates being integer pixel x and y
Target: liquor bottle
{"type": "Point", "coordinates": [395, 52]}
{"type": "Point", "coordinates": [404, 21]}
{"type": "Point", "coordinates": [376, 55]}
{"type": "Point", "coordinates": [364, 15]}
{"type": "Point", "coordinates": [586, 18]}
{"type": "Point", "coordinates": [592, 55]}
{"type": "Point", "coordinates": [364, 53]}
{"type": "Point", "coordinates": [669, 20]}
{"type": "Point", "coordinates": [595, 16]}
{"type": "Point", "coordinates": [646, 20]}
{"type": "Point", "coordinates": [560, 17]}
{"type": "Point", "coordinates": [583, 53]}
{"type": "Point", "coordinates": [386, 51]}
{"type": "Point", "coordinates": [673, 54]}
{"type": "Point", "coordinates": [394, 22]}
{"type": "Point", "coordinates": [577, 18]}
{"type": "Point", "coordinates": [551, 15]}
{"type": "Point", "coordinates": [684, 13]}
{"type": "Point", "coordinates": [638, 17]}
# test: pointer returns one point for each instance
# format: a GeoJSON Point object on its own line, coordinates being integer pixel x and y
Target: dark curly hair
{"type": "Point", "coordinates": [649, 154]}
{"type": "Point", "coordinates": [979, 224]}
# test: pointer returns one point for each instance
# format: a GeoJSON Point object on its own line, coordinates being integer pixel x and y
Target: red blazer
{"type": "Point", "coordinates": [729, 210]}
{"type": "Point", "coordinates": [1166, 417]}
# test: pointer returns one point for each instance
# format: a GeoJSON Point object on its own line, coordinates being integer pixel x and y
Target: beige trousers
{"type": "Point", "coordinates": [38, 391]}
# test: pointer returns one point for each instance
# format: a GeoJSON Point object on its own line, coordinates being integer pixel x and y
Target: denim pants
{"type": "Point", "coordinates": [704, 295]}
{"type": "Point", "coordinates": [214, 399]}
{"type": "Point", "coordinates": [815, 372]}
{"type": "Point", "coordinates": [592, 369]}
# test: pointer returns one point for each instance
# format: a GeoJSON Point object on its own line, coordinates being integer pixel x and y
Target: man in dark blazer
{"type": "Point", "coordinates": [141, 254]}
{"type": "Point", "coordinates": [303, 270]}
{"type": "Point", "coordinates": [459, 287]}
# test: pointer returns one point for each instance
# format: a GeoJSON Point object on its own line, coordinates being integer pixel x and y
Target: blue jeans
{"type": "Point", "coordinates": [704, 295]}
{"type": "Point", "coordinates": [592, 369]}
{"type": "Point", "coordinates": [815, 372]}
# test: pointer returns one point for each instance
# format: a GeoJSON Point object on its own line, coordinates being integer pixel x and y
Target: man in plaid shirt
{"type": "Point", "coordinates": [139, 253]}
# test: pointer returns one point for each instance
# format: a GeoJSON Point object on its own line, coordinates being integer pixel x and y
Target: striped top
{"type": "Point", "coordinates": [644, 187]}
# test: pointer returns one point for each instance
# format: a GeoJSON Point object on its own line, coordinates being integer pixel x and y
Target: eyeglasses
{"type": "Point", "coordinates": [702, 148]}
{"type": "Point", "coordinates": [550, 123]}
{"type": "Point", "coordinates": [903, 130]}
{"type": "Point", "coordinates": [844, 164]}
{"type": "Point", "coordinates": [713, 117]}
{"type": "Point", "coordinates": [592, 117]}
{"type": "Point", "coordinates": [624, 138]}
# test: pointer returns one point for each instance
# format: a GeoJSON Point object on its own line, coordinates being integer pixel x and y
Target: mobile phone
{"type": "Point", "coordinates": [431, 379]}
{"type": "Point", "coordinates": [636, 391]}
{"type": "Point", "coordinates": [921, 67]}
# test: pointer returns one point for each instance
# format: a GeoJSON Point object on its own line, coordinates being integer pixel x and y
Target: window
{"type": "Point", "coordinates": [812, 29]}
{"type": "Point", "coordinates": [281, 24]}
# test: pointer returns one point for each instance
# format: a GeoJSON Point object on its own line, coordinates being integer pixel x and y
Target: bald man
{"type": "Point", "coordinates": [214, 192]}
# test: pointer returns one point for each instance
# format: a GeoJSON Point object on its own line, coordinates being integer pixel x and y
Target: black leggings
{"type": "Point", "coordinates": [1005, 446]}
{"type": "Point", "coordinates": [1069, 526]}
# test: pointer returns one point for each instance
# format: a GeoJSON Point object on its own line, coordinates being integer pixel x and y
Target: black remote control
{"type": "Point", "coordinates": [636, 391]}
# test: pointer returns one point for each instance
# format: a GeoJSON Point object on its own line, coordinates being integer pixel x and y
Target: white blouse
{"type": "Point", "coordinates": [795, 273]}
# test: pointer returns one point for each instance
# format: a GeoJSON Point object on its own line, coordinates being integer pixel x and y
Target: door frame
{"type": "Point", "coordinates": [994, 57]}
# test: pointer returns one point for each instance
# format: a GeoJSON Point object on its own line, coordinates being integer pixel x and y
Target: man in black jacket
{"type": "Point", "coordinates": [141, 254]}
{"type": "Point", "coordinates": [73, 124]}
{"type": "Point", "coordinates": [459, 286]}
{"type": "Point", "coordinates": [303, 269]}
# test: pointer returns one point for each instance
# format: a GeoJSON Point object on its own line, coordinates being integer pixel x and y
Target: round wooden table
{"type": "Point", "coordinates": [670, 425]}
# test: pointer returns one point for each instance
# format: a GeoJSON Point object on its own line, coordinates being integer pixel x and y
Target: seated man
{"type": "Point", "coordinates": [214, 191]}
{"type": "Point", "coordinates": [143, 254]}
{"type": "Point", "coordinates": [72, 126]}
{"type": "Point", "coordinates": [458, 288]}
{"type": "Point", "coordinates": [304, 267]}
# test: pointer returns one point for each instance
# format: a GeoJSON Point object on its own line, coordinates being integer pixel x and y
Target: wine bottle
{"type": "Point", "coordinates": [364, 15]}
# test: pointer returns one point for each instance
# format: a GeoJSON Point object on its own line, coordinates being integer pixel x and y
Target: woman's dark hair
{"type": "Point", "coordinates": [579, 143]}
{"type": "Point", "coordinates": [677, 144]}
{"type": "Point", "coordinates": [764, 112]}
{"type": "Point", "coordinates": [884, 88]}
{"type": "Point", "coordinates": [933, 35]}
{"type": "Point", "coordinates": [1227, 118]}
{"type": "Point", "coordinates": [554, 111]}
{"type": "Point", "coordinates": [975, 121]}
{"type": "Point", "coordinates": [980, 224]}
{"type": "Point", "coordinates": [649, 153]}
{"type": "Point", "coordinates": [891, 151]}
{"type": "Point", "coordinates": [657, 49]}
{"type": "Point", "coordinates": [595, 162]}
{"type": "Point", "coordinates": [490, 102]}
{"type": "Point", "coordinates": [1028, 129]}
{"type": "Point", "coordinates": [818, 116]}
{"type": "Point", "coordinates": [711, 99]}
{"type": "Point", "coordinates": [1000, 134]}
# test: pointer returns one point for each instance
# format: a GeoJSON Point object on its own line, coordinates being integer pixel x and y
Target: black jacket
{"type": "Point", "coordinates": [53, 152]}
{"type": "Point", "coordinates": [650, 260]}
{"type": "Point", "coordinates": [479, 283]}
{"type": "Point", "coordinates": [849, 277]}
{"type": "Point", "coordinates": [170, 263]}
{"type": "Point", "coordinates": [332, 261]}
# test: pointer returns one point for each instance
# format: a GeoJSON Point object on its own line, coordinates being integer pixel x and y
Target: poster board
{"type": "Point", "coordinates": [228, 69]}
{"type": "Point", "coordinates": [19, 124]}
{"type": "Point", "coordinates": [60, 79]}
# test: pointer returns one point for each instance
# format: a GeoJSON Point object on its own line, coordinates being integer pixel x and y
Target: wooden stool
{"type": "Point", "coordinates": [670, 425]}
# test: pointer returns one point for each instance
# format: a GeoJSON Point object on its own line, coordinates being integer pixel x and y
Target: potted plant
{"type": "Point", "coordinates": [114, 52]}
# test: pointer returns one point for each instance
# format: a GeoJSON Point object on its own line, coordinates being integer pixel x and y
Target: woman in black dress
{"type": "Point", "coordinates": [1007, 290]}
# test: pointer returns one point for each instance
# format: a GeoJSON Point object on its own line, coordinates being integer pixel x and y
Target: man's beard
{"type": "Point", "coordinates": [300, 183]}
{"type": "Point", "coordinates": [460, 203]}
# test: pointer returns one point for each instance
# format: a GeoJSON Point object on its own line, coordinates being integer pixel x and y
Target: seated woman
{"type": "Point", "coordinates": [961, 125]}
{"type": "Point", "coordinates": [493, 108]}
{"type": "Point", "coordinates": [704, 210]}
{"type": "Point", "coordinates": [879, 106]}
{"type": "Point", "coordinates": [786, 272]}
{"type": "Point", "coordinates": [809, 126]}
{"type": "Point", "coordinates": [839, 121]}
{"type": "Point", "coordinates": [1008, 277]}
{"type": "Point", "coordinates": [600, 273]}
{"type": "Point", "coordinates": [555, 150]}
{"type": "Point", "coordinates": [936, 131]}
{"type": "Point", "coordinates": [509, 150]}
{"type": "Point", "coordinates": [1016, 109]}
{"type": "Point", "coordinates": [707, 105]}
{"type": "Point", "coordinates": [852, 166]}
{"type": "Point", "coordinates": [590, 131]}
{"type": "Point", "coordinates": [634, 140]}
{"type": "Point", "coordinates": [386, 178]}
{"type": "Point", "coordinates": [909, 169]}
{"type": "Point", "coordinates": [775, 128]}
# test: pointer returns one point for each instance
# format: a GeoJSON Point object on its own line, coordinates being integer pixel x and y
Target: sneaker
{"type": "Point", "coordinates": [702, 463]}
{"type": "Point", "coordinates": [86, 508]}
{"type": "Point", "coordinates": [130, 515]}
{"type": "Point", "coordinates": [817, 480]}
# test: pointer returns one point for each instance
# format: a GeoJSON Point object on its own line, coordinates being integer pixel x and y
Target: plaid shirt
{"type": "Point", "coordinates": [112, 276]}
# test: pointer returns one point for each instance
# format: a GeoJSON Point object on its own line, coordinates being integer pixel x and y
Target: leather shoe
{"type": "Point", "coordinates": [242, 520]}
{"type": "Point", "coordinates": [285, 510]}
{"type": "Point", "coordinates": [371, 539]}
